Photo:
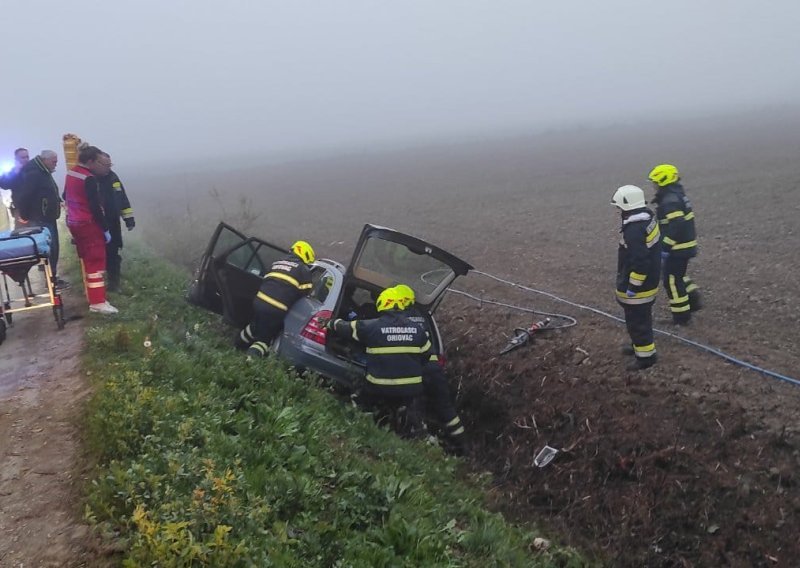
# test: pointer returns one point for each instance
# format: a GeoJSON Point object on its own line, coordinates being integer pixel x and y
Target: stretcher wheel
{"type": "Point", "coordinates": [2, 331]}
{"type": "Point", "coordinates": [58, 313]}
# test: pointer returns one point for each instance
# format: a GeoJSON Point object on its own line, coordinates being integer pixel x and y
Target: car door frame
{"type": "Point", "coordinates": [458, 266]}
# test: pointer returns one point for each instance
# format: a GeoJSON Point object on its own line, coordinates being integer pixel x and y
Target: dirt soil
{"type": "Point", "coordinates": [692, 463]}
{"type": "Point", "coordinates": [42, 394]}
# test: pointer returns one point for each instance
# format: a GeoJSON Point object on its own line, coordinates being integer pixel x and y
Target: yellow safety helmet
{"type": "Point", "coordinates": [406, 295]}
{"type": "Point", "coordinates": [664, 174]}
{"type": "Point", "coordinates": [304, 251]}
{"type": "Point", "coordinates": [389, 299]}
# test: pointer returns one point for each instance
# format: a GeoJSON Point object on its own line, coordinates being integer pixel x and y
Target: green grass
{"type": "Point", "coordinates": [206, 459]}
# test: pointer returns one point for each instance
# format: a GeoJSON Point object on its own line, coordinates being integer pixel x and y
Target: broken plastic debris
{"type": "Point", "coordinates": [545, 456]}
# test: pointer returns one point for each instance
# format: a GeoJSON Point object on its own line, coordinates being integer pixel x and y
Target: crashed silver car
{"type": "Point", "coordinates": [233, 266]}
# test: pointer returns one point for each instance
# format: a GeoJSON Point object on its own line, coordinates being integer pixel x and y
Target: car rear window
{"type": "Point", "coordinates": [386, 263]}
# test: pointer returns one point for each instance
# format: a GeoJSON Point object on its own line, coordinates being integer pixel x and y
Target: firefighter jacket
{"type": "Point", "coordinates": [82, 194]}
{"type": "Point", "coordinates": [675, 215]}
{"type": "Point", "coordinates": [415, 315]}
{"type": "Point", "coordinates": [37, 198]}
{"type": "Point", "coordinates": [115, 206]}
{"type": "Point", "coordinates": [288, 280]}
{"type": "Point", "coordinates": [396, 351]}
{"type": "Point", "coordinates": [639, 258]}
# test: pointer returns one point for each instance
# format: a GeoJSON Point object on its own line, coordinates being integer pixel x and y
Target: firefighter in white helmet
{"type": "Point", "coordinates": [638, 271]}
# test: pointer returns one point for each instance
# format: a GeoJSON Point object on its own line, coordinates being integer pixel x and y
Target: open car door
{"type": "Point", "coordinates": [384, 257]}
{"type": "Point", "coordinates": [204, 291]}
{"type": "Point", "coordinates": [230, 274]}
{"type": "Point", "coordinates": [239, 271]}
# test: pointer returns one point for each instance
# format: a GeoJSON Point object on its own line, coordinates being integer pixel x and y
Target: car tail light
{"type": "Point", "coordinates": [315, 328]}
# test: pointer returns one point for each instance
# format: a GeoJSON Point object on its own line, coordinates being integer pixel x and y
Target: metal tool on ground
{"type": "Point", "coordinates": [523, 336]}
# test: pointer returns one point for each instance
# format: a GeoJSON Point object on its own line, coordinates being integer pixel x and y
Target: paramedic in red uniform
{"type": "Point", "coordinates": [87, 223]}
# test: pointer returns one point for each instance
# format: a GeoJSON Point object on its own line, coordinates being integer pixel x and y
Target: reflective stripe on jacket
{"type": "Point", "coordinates": [78, 210]}
{"type": "Point", "coordinates": [639, 258]}
{"type": "Point", "coordinates": [288, 280]}
{"type": "Point", "coordinates": [676, 217]}
{"type": "Point", "coordinates": [396, 350]}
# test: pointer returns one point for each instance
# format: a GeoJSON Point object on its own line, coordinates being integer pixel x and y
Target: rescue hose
{"type": "Point", "coordinates": [597, 311]}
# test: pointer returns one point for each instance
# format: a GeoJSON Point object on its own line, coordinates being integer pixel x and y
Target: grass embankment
{"type": "Point", "coordinates": [204, 458]}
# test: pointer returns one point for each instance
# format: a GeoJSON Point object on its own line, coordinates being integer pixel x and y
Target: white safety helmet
{"type": "Point", "coordinates": [628, 198]}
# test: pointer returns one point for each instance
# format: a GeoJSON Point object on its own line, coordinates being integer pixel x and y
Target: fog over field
{"type": "Point", "coordinates": [174, 81]}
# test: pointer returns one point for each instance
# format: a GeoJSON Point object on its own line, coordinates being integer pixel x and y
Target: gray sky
{"type": "Point", "coordinates": [163, 79]}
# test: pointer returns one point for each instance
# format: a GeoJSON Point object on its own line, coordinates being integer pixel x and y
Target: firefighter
{"type": "Point", "coordinates": [434, 380]}
{"type": "Point", "coordinates": [86, 222]}
{"type": "Point", "coordinates": [115, 205]}
{"type": "Point", "coordinates": [638, 271]}
{"type": "Point", "coordinates": [678, 242]}
{"type": "Point", "coordinates": [288, 280]}
{"type": "Point", "coordinates": [396, 351]}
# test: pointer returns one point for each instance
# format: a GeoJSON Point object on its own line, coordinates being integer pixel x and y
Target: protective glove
{"type": "Point", "coordinates": [330, 325]}
{"type": "Point", "coordinates": [107, 236]}
{"type": "Point", "coordinates": [664, 255]}
{"type": "Point", "coordinates": [630, 293]}
{"type": "Point", "coordinates": [130, 223]}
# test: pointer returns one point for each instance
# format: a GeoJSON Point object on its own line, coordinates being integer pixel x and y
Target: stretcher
{"type": "Point", "coordinates": [20, 251]}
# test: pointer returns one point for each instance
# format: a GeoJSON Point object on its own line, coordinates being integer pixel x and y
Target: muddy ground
{"type": "Point", "coordinates": [42, 469]}
{"type": "Point", "coordinates": [693, 462]}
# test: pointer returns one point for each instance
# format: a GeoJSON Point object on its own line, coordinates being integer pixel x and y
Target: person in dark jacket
{"type": "Point", "coordinates": [679, 242]}
{"type": "Point", "coordinates": [116, 206]}
{"type": "Point", "coordinates": [288, 280]}
{"type": "Point", "coordinates": [434, 379]}
{"type": "Point", "coordinates": [38, 203]}
{"type": "Point", "coordinates": [11, 182]}
{"type": "Point", "coordinates": [396, 351]}
{"type": "Point", "coordinates": [638, 271]}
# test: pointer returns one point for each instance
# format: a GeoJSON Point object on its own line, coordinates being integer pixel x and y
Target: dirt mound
{"type": "Point", "coordinates": [651, 471]}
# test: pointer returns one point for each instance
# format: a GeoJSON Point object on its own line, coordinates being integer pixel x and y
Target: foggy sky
{"type": "Point", "coordinates": [172, 79]}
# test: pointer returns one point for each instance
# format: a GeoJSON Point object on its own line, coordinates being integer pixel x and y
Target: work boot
{"type": "Point", "coordinates": [258, 349]}
{"type": "Point", "coordinates": [683, 318]}
{"type": "Point", "coordinates": [104, 308]}
{"type": "Point", "coordinates": [456, 445]}
{"type": "Point", "coordinates": [640, 363]}
{"type": "Point", "coordinates": [695, 301]}
{"type": "Point", "coordinates": [627, 349]}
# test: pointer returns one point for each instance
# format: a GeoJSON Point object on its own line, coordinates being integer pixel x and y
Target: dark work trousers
{"type": "Point", "coordinates": [52, 226]}
{"type": "Point", "coordinates": [674, 275]}
{"type": "Point", "coordinates": [113, 265]}
{"type": "Point", "coordinates": [437, 392]}
{"type": "Point", "coordinates": [639, 321]}
{"type": "Point", "coordinates": [402, 413]}
{"type": "Point", "coordinates": [267, 323]}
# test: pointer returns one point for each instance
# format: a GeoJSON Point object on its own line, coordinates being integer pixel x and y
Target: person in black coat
{"type": "Point", "coordinates": [638, 271]}
{"type": "Point", "coordinates": [38, 203]}
{"type": "Point", "coordinates": [116, 206]}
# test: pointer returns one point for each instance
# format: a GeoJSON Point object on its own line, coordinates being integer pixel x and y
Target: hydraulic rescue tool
{"type": "Point", "coordinates": [523, 336]}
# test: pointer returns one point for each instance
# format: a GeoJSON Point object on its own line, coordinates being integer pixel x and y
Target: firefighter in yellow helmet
{"type": "Point", "coordinates": [678, 240]}
{"type": "Point", "coordinates": [434, 379]}
{"type": "Point", "coordinates": [396, 351]}
{"type": "Point", "coordinates": [288, 280]}
{"type": "Point", "coordinates": [638, 271]}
